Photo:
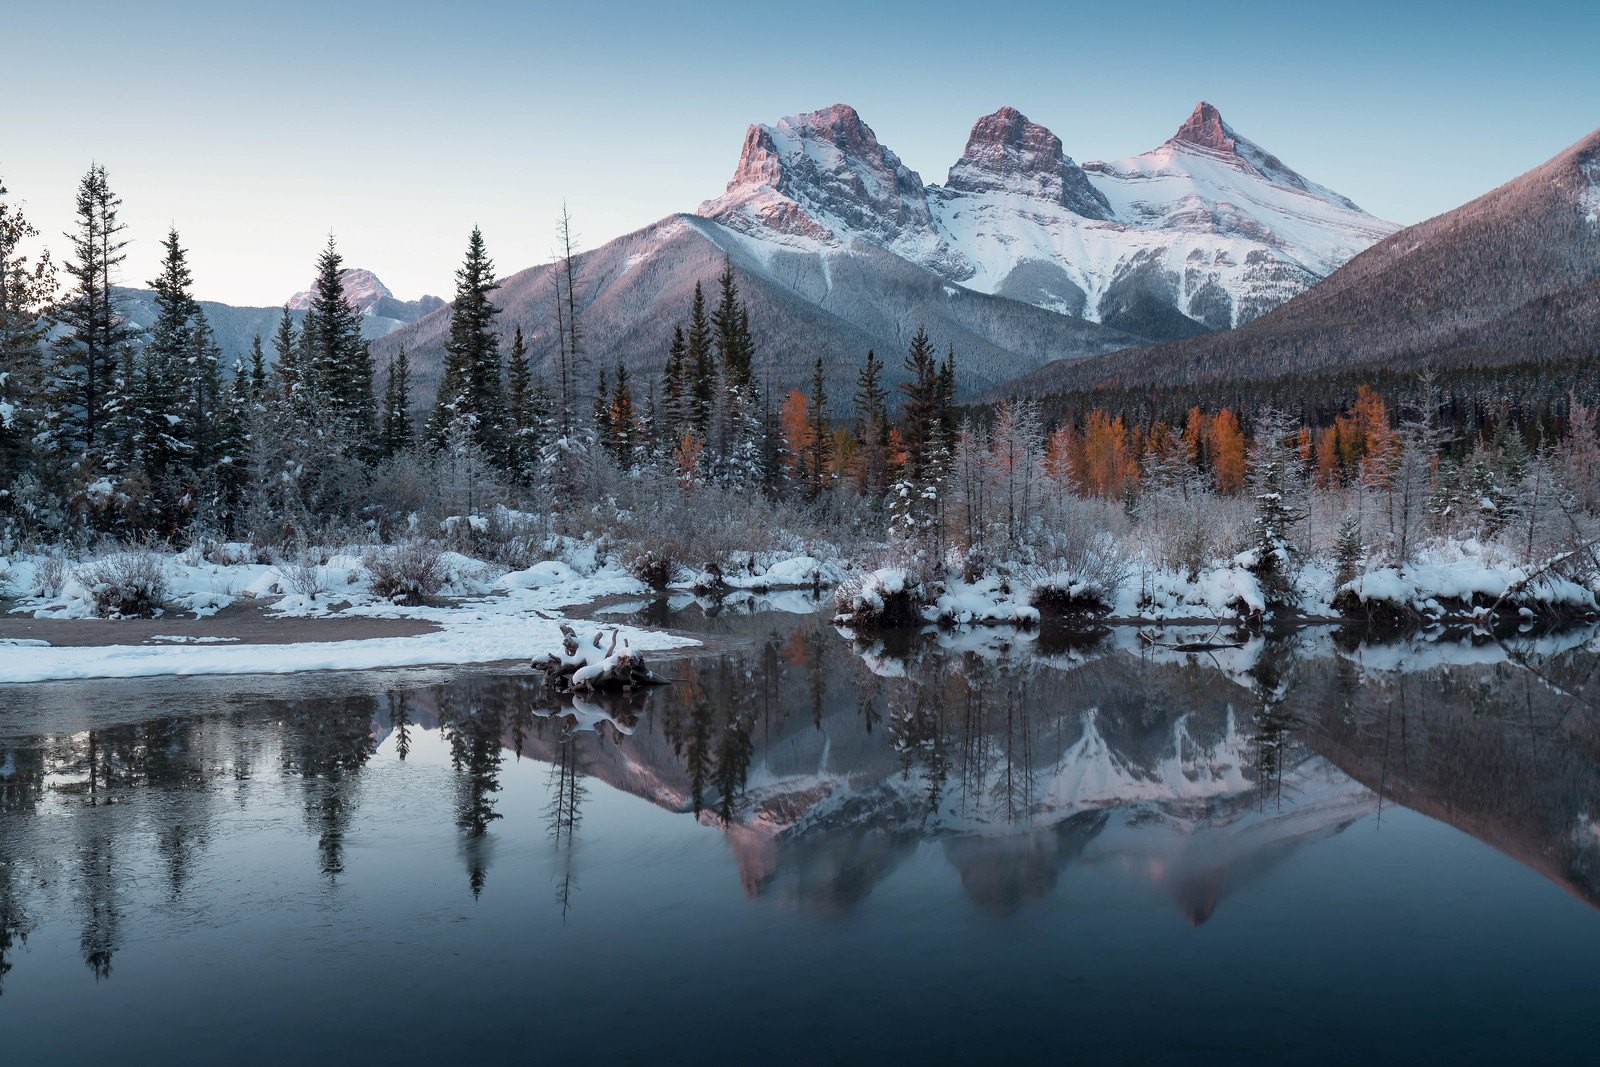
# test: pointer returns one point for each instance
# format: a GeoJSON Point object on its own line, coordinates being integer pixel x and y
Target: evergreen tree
{"type": "Point", "coordinates": [335, 364]}
{"type": "Point", "coordinates": [541, 422]}
{"type": "Point", "coordinates": [395, 432]}
{"type": "Point", "coordinates": [257, 370]}
{"type": "Point", "coordinates": [521, 423]}
{"type": "Point", "coordinates": [623, 421]}
{"type": "Point", "coordinates": [469, 383]}
{"type": "Point", "coordinates": [921, 408]}
{"type": "Point", "coordinates": [286, 346]}
{"type": "Point", "coordinates": [701, 370]}
{"type": "Point", "coordinates": [87, 355]}
{"type": "Point", "coordinates": [675, 387]}
{"type": "Point", "coordinates": [731, 332]}
{"type": "Point", "coordinates": [201, 403]}
{"type": "Point", "coordinates": [1276, 486]}
{"type": "Point", "coordinates": [871, 467]}
{"type": "Point", "coordinates": [872, 411]}
{"type": "Point", "coordinates": [819, 438]}
{"type": "Point", "coordinates": [25, 291]}
{"type": "Point", "coordinates": [153, 435]}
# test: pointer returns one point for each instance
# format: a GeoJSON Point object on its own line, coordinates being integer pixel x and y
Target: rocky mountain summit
{"type": "Point", "coordinates": [1021, 257]}
{"type": "Point", "coordinates": [1205, 232]}
{"type": "Point", "coordinates": [1511, 276]}
{"type": "Point", "coordinates": [1008, 154]}
{"type": "Point", "coordinates": [372, 298]}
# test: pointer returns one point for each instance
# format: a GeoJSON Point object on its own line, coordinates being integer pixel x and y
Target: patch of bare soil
{"type": "Point", "coordinates": [245, 623]}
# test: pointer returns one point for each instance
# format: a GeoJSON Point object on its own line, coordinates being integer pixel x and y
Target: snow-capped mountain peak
{"type": "Point", "coordinates": [1206, 231]}
{"type": "Point", "coordinates": [1007, 153]}
{"type": "Point", "coordinates": [823, 179]}
{"type": "Point", "coordinates": [1206, 131]}
{"type": "Point", "coordinates": [361, 287]}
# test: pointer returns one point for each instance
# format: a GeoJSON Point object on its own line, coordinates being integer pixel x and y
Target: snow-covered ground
{"type": "Point", "coordinates": [492, 615]}
{"type": "Point", "coordinates": [485, 613]}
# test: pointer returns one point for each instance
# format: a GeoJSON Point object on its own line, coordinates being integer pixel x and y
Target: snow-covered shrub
{"type": "Point", "coordinates": [1066, 591]}
{"type": "Point", "coordinates": [654, 566]}
{"type": "Point", "coordinates": [232, 553]}
{"type": "Point", "coordinates": [132, 581]}
{"type": "Point", "coordinates": [50, 574]}
{"type": "Point", "coordinates": [304, 572]}
{"type": "Point", "coordinates": [500, 534]}
{"type": "Point", "coordinates": [407, 573]}
{"type": "Point", "coordinates": [889, 596]}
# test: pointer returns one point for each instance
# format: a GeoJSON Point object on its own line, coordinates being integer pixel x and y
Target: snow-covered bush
{"type": "Point", "coordinates": [132, 581]}
{"type": "Point", "coordinates": [1067, 591]}
{"type": "Point", "coordinates": [654, 566]}
{"type": "Point", "coordinates": [407, 573]}
{"type": "Point", "coordinates": [50, 572]}
{"type": "Point", "coordinates": [304, 572]}
{"type": "Point", "coordinates": [889, 596]}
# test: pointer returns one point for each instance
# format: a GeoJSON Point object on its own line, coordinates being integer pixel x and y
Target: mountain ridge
{"type": "Point", "coordinates": [846, 248]}
{"type": "Point", "coordinates": [1513, 274]}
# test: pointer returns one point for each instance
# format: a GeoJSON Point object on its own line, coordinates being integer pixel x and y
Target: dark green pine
{"type": "Point", "coordinates": [469, 383]}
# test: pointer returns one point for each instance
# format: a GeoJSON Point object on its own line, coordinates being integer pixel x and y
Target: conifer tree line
{"type": "Point", "coordinates": [109, 430]}
{"type": "Point", "coordinates": [106, 430]}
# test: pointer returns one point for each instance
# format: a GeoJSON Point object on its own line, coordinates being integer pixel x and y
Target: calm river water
{"type": "Point", "coordinates": [811, 849]}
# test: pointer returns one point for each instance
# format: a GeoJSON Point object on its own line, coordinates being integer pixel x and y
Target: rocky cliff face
{"type": "Point", "coordinates": [1008, 154]}
{"type": "Point", "coordinates": [822, 180]}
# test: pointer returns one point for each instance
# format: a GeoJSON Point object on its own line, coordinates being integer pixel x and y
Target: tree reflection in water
{"type": "Point", "coordinates": [330, 743]}
{"type": "Point", "coordinates": [825, 764]}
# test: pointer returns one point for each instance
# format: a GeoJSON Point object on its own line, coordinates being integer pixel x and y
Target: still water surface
{"type": "Point", "coordinates": [810, 849]}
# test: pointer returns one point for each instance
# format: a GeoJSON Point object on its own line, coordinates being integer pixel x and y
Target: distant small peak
{"type": "Point", "coordinates": [1205, 129]}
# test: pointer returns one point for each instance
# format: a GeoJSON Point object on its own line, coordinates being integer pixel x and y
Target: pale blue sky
{"type": "Point", "coordinates": [258, 128]}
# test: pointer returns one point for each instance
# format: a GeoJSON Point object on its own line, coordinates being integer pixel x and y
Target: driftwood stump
{"type": "Point", "coordinates": [605, 662]}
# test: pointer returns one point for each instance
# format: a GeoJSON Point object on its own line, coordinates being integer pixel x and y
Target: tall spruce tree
{"type": "Point", "coordinates": [469, 382]}
{"type": "Point", "coordinates": [819, 436]}
{"type": "Point", "coordinates": [698, 360]}
{"type": "Point", "coordinates": [675, 387]}
{"type": "Point", "coordinates": [396, 433]}
{"type": "Point", "coordinates": [89, 352]}
{"type": "Point", "coordinates": [257, 369]}
{"type": "Point", "coordinates": [154, 431]}
{"type": "Point", "coordinates": [730, 331]}
{"type": "Point", "coordinates": [335, 363]}
{"type": "Point", "coordinates": [25, 291]}
{"type": "Point", "coordinates": [921, 406]}
{"type": "Point", "coordinates": [286, 368]}
{"type": "Point", "coordinates": [872, 408]}
{"type": "Point", "coordinates": [202, 395]}
{"type": "Point", "coordinates": [522, 431]}
{"type": "Point", "coordinates": [623, 421]}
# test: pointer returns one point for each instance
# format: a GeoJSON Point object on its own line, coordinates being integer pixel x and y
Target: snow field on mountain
{"type": "Point", "coordinates": [1207, 210]}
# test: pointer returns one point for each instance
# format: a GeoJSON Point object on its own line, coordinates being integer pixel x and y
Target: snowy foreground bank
{"type": "Point", "coordinates": [485, 613]}
{"type": "Point", "coordinates": [1452, 581]}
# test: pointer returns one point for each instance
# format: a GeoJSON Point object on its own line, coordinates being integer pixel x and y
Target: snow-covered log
{"type": "Point", "coordinates": [604, 662]}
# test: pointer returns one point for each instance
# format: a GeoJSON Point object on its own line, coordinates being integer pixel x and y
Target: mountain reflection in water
{"type": "Point", "coordinates": [825, 763]}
